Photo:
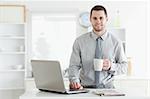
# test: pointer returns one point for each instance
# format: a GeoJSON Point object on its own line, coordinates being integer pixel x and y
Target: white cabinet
{"type": "Point", "coordinates": [12, 55]}
{"type": "Point", "coordinates": [12, 13]}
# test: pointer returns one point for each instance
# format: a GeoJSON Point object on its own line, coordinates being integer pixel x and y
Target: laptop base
{"type": "Point", "coordinates": [67, 91]}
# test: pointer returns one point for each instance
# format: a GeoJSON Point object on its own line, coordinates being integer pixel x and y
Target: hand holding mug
{"type": "Point", "coordinates": [106, 64]}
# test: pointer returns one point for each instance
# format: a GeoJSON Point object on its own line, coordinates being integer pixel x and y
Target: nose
{"type": "Point", "coordinates": [98, 21]}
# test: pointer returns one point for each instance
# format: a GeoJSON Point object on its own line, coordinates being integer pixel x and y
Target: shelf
{"type": "Point", "coordinates": [12, 52]}
{"type": "Point", "coordinates": [13, 70]}
{"type": "Point", "coordinates": [8, 30]}
{"type": "Point", "coordinates": [11, 37]}
{"type": "Point", "coordinates": [29, 79]}
{"type": "Point", "coordinates": [4, 23]}
{"type": "Point", "coordinates": [19, 88]}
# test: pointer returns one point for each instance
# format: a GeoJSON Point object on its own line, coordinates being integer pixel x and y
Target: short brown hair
{"type": "Point", "coordinates": [97, 8]}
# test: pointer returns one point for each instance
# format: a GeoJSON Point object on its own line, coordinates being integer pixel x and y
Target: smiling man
{"type": "Point", "coordinates": [99, 44]}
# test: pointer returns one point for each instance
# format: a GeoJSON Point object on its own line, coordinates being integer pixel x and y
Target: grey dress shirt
{"type": "Point", "coordinates": [81, 67]}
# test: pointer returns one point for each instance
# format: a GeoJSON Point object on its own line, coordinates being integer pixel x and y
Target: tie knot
{"type": "Point", "coordinates": [99, 38]}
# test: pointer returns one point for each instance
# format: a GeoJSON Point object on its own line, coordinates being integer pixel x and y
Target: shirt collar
{"type": "Point", "coordinates": [94, 36]}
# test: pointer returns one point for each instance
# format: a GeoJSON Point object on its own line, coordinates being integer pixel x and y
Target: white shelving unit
{"type": "Point", "coordinates": [13, 59]}
{"type": "Point", "coordinates": [13, 51]}
{"type": "Point", "coordinates": [12, 55]}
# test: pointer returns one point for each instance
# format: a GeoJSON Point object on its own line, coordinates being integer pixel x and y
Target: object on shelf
{"type": "Point", "coordinates": [21, 48]}
{"type": "Point", "coordinates": [117, 19]}
{"type": "Point", "coordinates": [129, 70]}
{"type": "Point", "coordinates": [17, 67]}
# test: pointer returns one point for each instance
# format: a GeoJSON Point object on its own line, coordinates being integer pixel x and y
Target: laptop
{"type": "Point", "coordinates": [48, 77]}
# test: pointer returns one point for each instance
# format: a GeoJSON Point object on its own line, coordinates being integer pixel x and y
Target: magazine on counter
{"type": "Point", "coordinates": [108, 92]}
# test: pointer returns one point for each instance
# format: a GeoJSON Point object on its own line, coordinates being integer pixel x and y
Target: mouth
{"type": "Point", "coordinates": [99, 25]}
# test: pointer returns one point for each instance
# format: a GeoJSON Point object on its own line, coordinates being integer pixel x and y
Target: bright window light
{"type": "Point", "coordinates": [53, 37]}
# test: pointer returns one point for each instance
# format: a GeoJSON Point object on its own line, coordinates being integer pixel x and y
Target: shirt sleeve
{"type": "Point", "coordinates": [75, 63]}
{"type": "Point", "coordinates": [119, 64]}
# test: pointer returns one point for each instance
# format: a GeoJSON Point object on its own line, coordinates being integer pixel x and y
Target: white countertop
{"type": "Point", "coordinates": [36, 94]}
{"type": "Point", "coordinates": [124, 77]}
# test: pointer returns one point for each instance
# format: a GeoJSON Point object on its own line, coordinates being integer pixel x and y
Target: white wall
{"type": "Point", "coordinates": [133, 16]}
{"type": "Point", "coordinates": [134, 19]}
{"type": "Point", "coordinates": [148, 39]}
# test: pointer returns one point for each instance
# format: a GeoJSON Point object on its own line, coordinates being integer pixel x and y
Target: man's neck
{"type": "Point", "coordinates": [99, 33]}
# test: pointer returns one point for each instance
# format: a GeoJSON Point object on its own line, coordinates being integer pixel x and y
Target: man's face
{"type": "Point", "coordinates": [98, 20]}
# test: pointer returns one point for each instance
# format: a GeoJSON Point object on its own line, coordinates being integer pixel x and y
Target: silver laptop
{"type": "Point", "coordinates": [48, 77]}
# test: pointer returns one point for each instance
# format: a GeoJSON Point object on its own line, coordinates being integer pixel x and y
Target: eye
{"type": "Point", "coordinates": [94, 18]}
{"type": "Point", "coordinates": [101, 18]}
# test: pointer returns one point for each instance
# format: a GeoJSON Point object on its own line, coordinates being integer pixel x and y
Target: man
{"type": "Point", "coordinates": [81, 69]}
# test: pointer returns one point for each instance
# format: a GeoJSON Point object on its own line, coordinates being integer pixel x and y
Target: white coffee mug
{"type": "Point", "coordinates": [98, 64]}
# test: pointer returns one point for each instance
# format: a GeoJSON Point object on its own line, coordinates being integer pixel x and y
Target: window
{"type": "Point", "coordinates": [53, 36]}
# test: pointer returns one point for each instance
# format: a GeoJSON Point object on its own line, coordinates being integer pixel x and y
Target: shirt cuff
{"type": "Point", "coordinates": [74, 80]}
{"type": "Point", "coordinates": [113, 68]}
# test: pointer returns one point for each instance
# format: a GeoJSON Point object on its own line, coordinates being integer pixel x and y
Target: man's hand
{"type": "Point", "coordinates": [75, 85]}
{"type": "Point", "coordinates": [106, 64]}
